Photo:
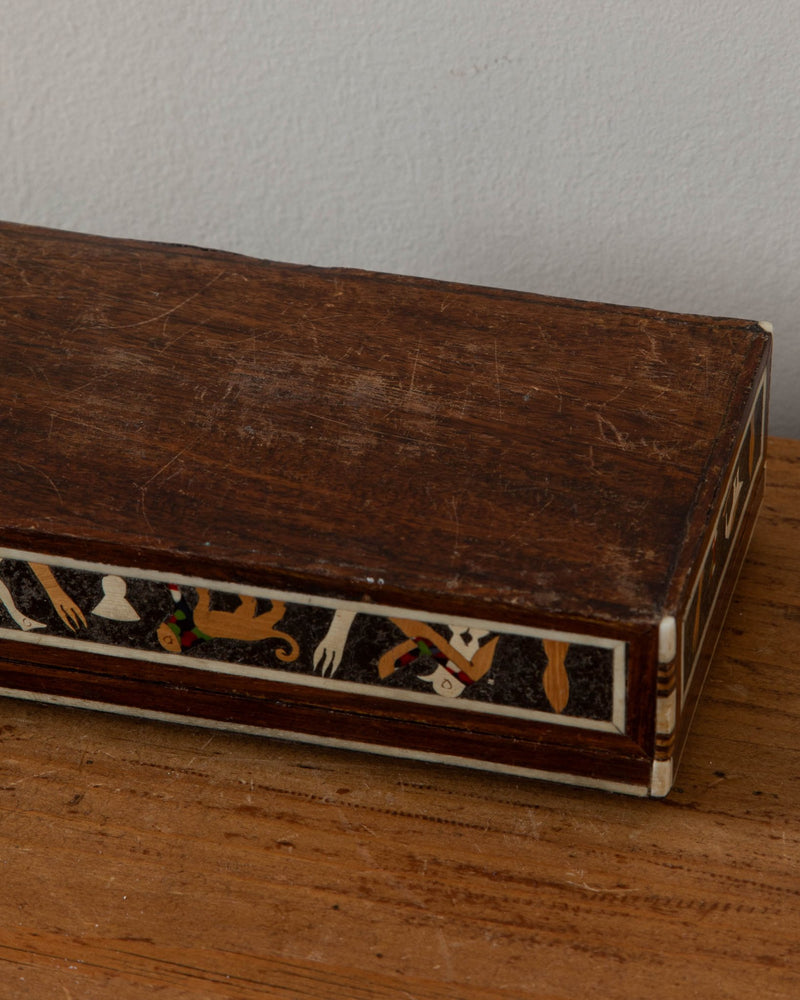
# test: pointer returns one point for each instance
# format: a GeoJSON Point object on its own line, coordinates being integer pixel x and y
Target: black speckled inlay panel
{"type": "Point", "coordinates": [378, 653]}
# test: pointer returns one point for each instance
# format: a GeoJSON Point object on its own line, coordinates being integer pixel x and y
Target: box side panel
{"type": "Point", "coordinates": [742, 430]}
{"type": "Point", "coordinates": [698, 626]}
{"type": "Point", "coordinates": [543, 700]}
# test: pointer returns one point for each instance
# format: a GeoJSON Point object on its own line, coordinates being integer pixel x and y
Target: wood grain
{"type": "Point", "coordinates": [435, 446]}
{"type": "Point", "coordinates": [144, 860]}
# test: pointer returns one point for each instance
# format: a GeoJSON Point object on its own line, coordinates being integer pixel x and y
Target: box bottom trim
{"type": "Point", "coordinates": [513, 770]}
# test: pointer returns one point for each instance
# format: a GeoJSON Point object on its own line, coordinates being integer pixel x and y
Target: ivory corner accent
{"type": "Point", "coordinates": [375, 512]}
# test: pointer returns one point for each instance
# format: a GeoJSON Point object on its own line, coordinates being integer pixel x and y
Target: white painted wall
{"type": "Point", "coordinates": [636, 151]}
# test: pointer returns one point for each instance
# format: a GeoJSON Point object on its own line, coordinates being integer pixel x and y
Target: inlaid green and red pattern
{"type": "Point", "coordinates": [377, 512]}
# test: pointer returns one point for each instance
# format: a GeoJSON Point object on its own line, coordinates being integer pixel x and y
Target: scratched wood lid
{"type": "Point", "coordinates": [417, 443]}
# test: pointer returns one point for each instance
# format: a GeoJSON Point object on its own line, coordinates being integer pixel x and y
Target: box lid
{"type": "Point", "coordinates": [418, 443]}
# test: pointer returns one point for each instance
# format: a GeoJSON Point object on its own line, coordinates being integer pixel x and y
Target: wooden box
{"type": "Point", "coordinates": [418, 518]}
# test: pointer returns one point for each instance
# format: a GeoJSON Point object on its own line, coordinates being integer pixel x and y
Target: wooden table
{"type": "Point", "coordinates": [147, 860]}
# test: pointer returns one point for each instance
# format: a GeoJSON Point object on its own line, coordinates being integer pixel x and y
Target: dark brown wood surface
{"type": "Point", "coordinates": [141, 860]}
{"type": "Point", "coordinates": [432, 445]}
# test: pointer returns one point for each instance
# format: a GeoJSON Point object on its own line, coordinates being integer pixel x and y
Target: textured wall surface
{"type": "Point", "coordinates": [627, 151]}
